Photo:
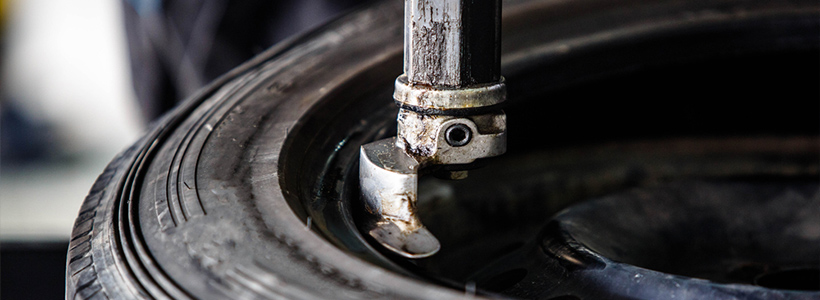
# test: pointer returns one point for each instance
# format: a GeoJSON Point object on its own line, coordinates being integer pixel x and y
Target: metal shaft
{"type": "Point", "coordinates": [452, 43]}
{"type": "Point", "coordinates": [450, 96]}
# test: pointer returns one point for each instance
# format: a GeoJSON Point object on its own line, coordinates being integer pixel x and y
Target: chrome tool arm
{"type": "Point", "coordinates": [449, 98]}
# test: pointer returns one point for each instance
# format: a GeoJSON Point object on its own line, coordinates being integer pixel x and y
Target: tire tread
{"type": "Point", "coordinates": [81, 273]}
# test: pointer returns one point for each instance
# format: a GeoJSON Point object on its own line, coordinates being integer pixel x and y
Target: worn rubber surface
{"type": "Point", "coordinates": [158, 223]}
{"type": "Point", "coordinates": [240, 191]}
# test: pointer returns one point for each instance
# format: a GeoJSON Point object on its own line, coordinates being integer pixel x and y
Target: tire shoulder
{"type": "Point", "coordinates": [82, 271]}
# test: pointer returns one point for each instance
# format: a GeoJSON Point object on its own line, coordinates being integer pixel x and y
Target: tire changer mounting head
{"type": "Point", "coordinates": [449, 97]}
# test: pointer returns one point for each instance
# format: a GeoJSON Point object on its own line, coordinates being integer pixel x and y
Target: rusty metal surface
{"type": "Point", "coordinates": [451, 66]}
{"type": "Point", "coordinates": [433, 33]}
{"type": "Point", "coordinates": [389, 172]}
{"type": "Point", "coordinates": [389, 183]}
{"type": "Point", "coordinates": [451, 42]}
{"type": "Point", "coordinates": [430, 97]}
{"type": "Point", "coordinates": [425, 137]}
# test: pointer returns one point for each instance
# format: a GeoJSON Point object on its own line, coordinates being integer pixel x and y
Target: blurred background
{"type": "Point", "coordinates": [80, 81]}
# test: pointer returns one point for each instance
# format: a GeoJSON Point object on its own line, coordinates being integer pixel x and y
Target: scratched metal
{"type": "Point", "coordinates": [423, 136]}
{"type": "Point", "coordinates": [389, 179]}
{"type": "Point", "coordinates": [439, 47]}
{"type": "Point", "coordinates": [432, 41]}
{"type": "Point", "coordinates": [430, 97]}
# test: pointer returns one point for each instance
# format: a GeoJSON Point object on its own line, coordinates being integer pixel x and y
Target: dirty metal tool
{"type": "Point", "coordinates": [449, 98]}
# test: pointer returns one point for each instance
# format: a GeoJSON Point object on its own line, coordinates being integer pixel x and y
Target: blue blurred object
{"type": "Point", "coordinates": [23, 140]}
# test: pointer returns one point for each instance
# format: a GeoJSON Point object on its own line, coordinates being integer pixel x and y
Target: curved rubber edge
{"type": "Point", "coordinates": [81, 272]}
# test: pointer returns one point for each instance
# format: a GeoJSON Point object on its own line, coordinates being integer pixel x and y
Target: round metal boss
{"type": "Point", "coordinates": [458, 135]}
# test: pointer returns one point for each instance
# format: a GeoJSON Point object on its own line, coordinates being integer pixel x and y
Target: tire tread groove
{"type": "Point", "coordinates": [80, 268]}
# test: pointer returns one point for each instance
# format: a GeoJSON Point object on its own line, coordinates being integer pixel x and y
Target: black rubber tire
{"type": "Point", "coordinates": [217, 200]}
{"type": "Point", "coordinates": [112, 254]}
